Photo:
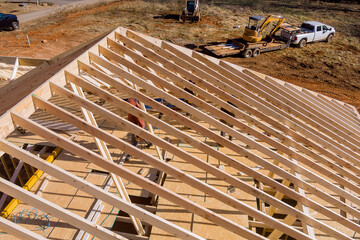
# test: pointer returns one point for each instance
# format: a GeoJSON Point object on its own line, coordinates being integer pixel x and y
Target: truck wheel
{"type": "Point", "coordinates": [330, 38]}
{"type": "Point", "coordinates": [302, 43]}
{"type": "Point", "coordinates": [256, 52]}
{"type": "Point", "coordinates": [247, 53]}
{"type": "Point", "coordinates": [14, 25]}
{"type": "Point", "coordinates": [182, 17]}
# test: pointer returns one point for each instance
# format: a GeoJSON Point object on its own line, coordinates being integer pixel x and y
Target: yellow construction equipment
{"type": "Point", "coordinates": [252, 43]}
{"type": "Point", "coordinates": [191, 12]}
{"type": "Point", "coordinates": [253, 31]}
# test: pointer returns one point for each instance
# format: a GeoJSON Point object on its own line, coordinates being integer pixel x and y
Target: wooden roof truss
{"type": "Point", "coordinates": [307, 136]}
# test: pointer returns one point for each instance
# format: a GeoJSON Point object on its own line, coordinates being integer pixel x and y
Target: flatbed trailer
{"type": "Point", "coordinates": [248, 49]}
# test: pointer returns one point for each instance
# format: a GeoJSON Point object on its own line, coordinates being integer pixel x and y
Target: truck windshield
{"type": "Point", "coordinates": [308, 26]}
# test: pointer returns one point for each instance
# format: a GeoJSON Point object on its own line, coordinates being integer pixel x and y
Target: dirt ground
{"type": "Point", "coordinates": [14, 8]}
{"type": "Point", "coordinates": [332, 69]}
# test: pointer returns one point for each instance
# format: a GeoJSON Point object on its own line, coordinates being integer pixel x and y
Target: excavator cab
{"type": "Point", "coordinates": [253, 31]}
{"type": "Point", "coordinates": [190, 7]}
{"type": "Point", "coordinates": [191, 12]}
{"type": "Point", "coordinates": [254, 22]}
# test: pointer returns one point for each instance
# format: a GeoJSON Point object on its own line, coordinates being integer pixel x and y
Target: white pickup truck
{"type": "Point", "coordinates": [310, 31]}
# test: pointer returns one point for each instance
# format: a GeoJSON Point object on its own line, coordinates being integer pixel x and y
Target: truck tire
{"type": "Point", "coordinates": [15, 25]}
{"type": "Point", "coordinates": [247, 53]}
{"type": "Point", "coordinates": [302, 43]}
{"type": "Point", "coordinates": [256, 52]}
{"type": "Point", "coordinates": [182, 17]}
{"type": "Point", "coordinates": [330, 38]}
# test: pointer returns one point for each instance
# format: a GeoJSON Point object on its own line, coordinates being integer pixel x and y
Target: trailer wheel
{"type": "Point", "coordinates": [247, 53]}
{"type": "Point", "coordinates": [256, 52]}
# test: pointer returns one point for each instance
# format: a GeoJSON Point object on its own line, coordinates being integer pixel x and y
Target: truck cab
{"type": "Point", "coordinates": [8, 21]}
{"type": "Point", "coordinates": [311, 31]}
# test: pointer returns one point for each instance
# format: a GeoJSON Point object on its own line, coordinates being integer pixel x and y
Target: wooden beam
{"type": "Point", "coordinates": [15, 69]}
{"type": "Point", "coordinates": [12, 180]}
{"type": "Point", "coordinates": [104, 151]}
{"type": "Point", "coordinates": [23, 60]}
{"type": "Point", "coordinates": [120, 104]}
{"type": "Point", "coordinates": [15, 165]}
{"type": "Point", "coordinates": [121, 123]}
{"type": "Point", "coordinates": [18, 231]}
{"type": "Point", "coordinates": [3, 162]}
{"type": "Point", "coordinates": [178, 54]}
{"type": "Point", "coordinates": [97, 192]}
{"type": "Point", "coordinates": [133, 177]}
{"type": "Point", "coordinates": [81, 234]}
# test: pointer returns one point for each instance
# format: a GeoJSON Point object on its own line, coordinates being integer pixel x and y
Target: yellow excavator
{"type": "Point", "coordinates": [253, 31]}
{"type": "Point", "coordinates": [191, 12]}
{"type": "Point", "coordinates": [252, 42]}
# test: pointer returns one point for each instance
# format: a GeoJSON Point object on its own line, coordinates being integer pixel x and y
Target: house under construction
{"type": "Point", "coordinates": [236, 154]}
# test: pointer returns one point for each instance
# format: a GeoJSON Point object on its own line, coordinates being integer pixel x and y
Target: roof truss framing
{"type": "Point", "coordinates": [306, 136]}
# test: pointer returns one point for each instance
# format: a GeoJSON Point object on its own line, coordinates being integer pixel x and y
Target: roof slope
{"type": "Point", "coordinates": [299, 149]}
